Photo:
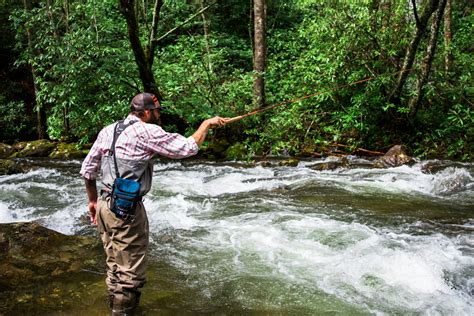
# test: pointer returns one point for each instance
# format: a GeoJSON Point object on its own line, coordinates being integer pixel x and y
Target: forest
{"type": "Point", "coordinates": [349, 75]}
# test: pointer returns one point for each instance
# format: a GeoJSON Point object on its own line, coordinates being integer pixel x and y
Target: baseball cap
{"type": "Point", "coordinates": [145, 101]}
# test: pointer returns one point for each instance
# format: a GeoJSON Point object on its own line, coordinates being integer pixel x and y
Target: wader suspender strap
{"type": "Point", "coordinates": [119, 128]}
{"type": "Point", "coordinates": [125, 192]}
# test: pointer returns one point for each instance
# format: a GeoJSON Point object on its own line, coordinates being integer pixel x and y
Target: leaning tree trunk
{"type": "Point", "coordinates": [39, 108]}
{"type": "Point", "coordinates": [421, 24]}
{"type": "Point", "coordinates": [428, 60]}
{"type": "Point", "coordinates": [259, 57]}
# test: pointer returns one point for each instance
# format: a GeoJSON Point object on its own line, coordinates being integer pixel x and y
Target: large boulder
{"type": "Point", "coordinates": [43, 272]}
{"type": "Point", "coordinates": [395, 156]}
{"type": "Point", "coordinates": [37, 148]}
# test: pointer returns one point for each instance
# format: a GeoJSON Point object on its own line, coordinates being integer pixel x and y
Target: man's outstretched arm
{"type": "Point", "coordinates": [200, 134]}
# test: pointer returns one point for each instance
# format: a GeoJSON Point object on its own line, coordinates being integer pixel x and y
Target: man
{"type": "Point", "coordinates": [125, 239]}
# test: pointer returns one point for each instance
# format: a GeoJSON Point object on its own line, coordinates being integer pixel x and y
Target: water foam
{"type": "Point", "coordinates": [205, 181]}
{"type": "Point", "coordinates": [9, 214]}
{"type": "Point", "coordinates": [381, 270]}
{"type": "Point", "coordinates": [404, 179]}
{"type": "Point", "coordinates": [174, 212]}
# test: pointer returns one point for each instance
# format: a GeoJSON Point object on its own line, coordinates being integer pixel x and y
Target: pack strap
{"type": "Point", "coordinates": [119, 128]}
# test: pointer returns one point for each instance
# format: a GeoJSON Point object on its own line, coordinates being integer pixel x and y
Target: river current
{"type": "Point", "coordinates": [238, 238]}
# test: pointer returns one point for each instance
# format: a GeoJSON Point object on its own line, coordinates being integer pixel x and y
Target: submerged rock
{"type": "Point", "coordinates": [31, 253]}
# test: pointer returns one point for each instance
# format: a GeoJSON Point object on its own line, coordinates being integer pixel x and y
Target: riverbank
{"type": "Point", "coordinates": [11, 155]}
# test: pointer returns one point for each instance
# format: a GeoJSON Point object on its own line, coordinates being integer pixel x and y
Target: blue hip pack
{"type": "Point", "coordinates": [124, 197]}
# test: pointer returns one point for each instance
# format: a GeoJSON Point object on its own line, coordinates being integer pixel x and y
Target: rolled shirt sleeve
{"type": "Point", "coordinates": [91, 164]}
{"type": "Point", "coordinates": [171, 145]}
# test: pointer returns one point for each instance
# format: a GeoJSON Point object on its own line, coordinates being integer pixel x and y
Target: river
{"type": "Point", "coordinates": [234, 238]}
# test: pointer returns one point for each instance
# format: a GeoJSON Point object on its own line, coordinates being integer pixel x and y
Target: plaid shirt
{"type": "Point", "coordinates": [140, 141]}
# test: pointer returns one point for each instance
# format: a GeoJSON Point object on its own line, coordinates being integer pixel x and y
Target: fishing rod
{"type": "Point", "coordinates": [260, 110]}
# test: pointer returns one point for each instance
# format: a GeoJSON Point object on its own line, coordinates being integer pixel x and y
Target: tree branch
{"type": "Point", "coordinates": [154, 27]}
{"type": "Point", "coordinates": [155, 41]}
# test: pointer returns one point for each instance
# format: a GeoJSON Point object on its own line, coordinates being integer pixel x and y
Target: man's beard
{"type": "Point", "coordinates": [155, 119]}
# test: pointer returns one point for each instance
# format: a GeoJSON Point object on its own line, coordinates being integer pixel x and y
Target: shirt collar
{"type": "Point", "coordinates": [131, 118]}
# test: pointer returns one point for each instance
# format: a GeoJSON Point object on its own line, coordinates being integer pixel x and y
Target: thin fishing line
{"type": "Point", "coordinates": [260, 110]}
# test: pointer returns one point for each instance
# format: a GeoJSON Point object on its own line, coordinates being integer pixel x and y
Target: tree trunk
{"type": "Point", "coordinates": [144, 60]}
{"type": "Point", "coordinates": [94, 22]}
{"type": "Point", "coordinates": [39, 108]}
{"type": "Point", "coordinates": [259, 57]}
{"type": "Point", "coordinates": [51, 19]}
{"type": "Point", "coordinates": [206, 36]}
{"type": "Point", "coordinates": [428, 59]}
{"type": "Point", "coordinates": [421, 24]}
{"type": "Point", "coordinates": [448, 38]}
{"type": "Point", "coordinates": [150, 53]}
{"type": "Point", "coordinates": [66, 121]}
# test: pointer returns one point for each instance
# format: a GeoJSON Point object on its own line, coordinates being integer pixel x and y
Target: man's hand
{"type": "Point", "coordinates": [216, 121]}
{"type": "Point", "coordinates": [92, 212]}
{"type": "Point", "coordinates": [201, 132]}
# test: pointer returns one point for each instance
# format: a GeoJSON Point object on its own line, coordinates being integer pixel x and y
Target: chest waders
{"type": "Point", "coordinates": [125, 192]}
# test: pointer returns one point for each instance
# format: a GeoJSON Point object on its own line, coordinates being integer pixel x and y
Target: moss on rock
{"type": "Point", "coordinates": [67, 151]}
{"type": "Point", "coordinates": [37, 148]}
{"type": "Point", "coordinates": [32, 253]}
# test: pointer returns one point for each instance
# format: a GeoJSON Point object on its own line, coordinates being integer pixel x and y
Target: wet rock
{"type": "Point", "coordinates": [292, 162]}
{"type": "Point", "coordinates": [331, 165]}
{"type": "Point", "coordinates": [265, 163]}
{"type": "Point", "coordinates": [8, 166]}
{"type": "Point", "coordinates": [19, 146]}
{"type": "Point", "coordinates": [435, 166]}
{"type": "Point", "coordinates": [37, 148]}
{"type": "Point", "coordinates": [395, 156]}
{"type": "Point", "coordinates": [67, 151]}
{"type": "Point", "coordinates": [32, 254]}
{"type": "Point", "coordinates": [5, 150]}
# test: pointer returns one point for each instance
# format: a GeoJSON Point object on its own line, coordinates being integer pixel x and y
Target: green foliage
{"type": "Point", "coordinates": [80, 65]}
{"type": "Point", "coordinates": [15, 124]}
